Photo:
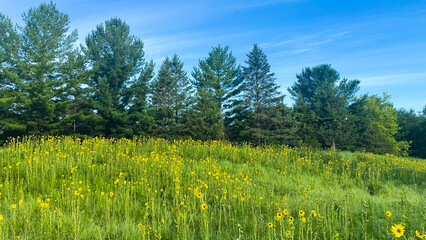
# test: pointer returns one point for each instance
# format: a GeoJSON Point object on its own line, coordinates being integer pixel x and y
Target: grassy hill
{"type": "Point", "coordinates": [64, 188]}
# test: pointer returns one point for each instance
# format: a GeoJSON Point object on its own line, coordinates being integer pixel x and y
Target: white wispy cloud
{"type": "Point", "coordinates": [393, 79]}
{"type": "Point", "coordinates": [229, 5]}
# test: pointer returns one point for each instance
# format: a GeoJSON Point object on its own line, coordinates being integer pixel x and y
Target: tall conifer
{"type": "Point", "coordinates": [217, 78]}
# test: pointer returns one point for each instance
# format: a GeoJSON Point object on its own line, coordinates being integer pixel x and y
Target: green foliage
{"type": "Point", "coordinates": [115, 58]}
{"type": "Point", "coordinates": [46, 48]}
{"type": "Point", "coordinates": [139, 120]}
{"type": "Point", "coordinates": [412, 130]}
{"type": "Point", "coordinates": [378, 126]}
{"type": "Point", "coordinates": [105, 87]}
{"type": "Point", "coordinates": [10, 107]}
{"type": "Point", "coordinates": [171, 99]}
{"type": "Point", "coordinates": [261, 117]}
{"type": "Point", "coordinates": [218, 78]}
{"type": "Point", "coordinates": [324, 97]}
{"type": "Point", "coordinates": [204, 121]}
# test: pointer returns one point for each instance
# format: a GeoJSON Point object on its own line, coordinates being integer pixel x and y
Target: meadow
{"type": "Point", "coordinates": [68, 188]}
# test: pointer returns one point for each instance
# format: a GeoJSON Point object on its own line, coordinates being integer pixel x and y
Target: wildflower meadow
{"type": "Point", "coordinates": [98, 188]}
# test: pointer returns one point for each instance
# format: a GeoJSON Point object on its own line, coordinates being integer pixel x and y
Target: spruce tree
{"type": "Point", "coordinates": [171, 97]}
{"type": "Point", "coordinates": [218, 79]}
{"type": "Point", "coordinates": [263, 117]}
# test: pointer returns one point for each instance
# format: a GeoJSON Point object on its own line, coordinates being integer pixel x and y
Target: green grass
{"type": "Point", "coordinates": [66, 188]}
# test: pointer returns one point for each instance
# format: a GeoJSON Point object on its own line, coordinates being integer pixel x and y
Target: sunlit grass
{"type": "Point", "coordinates": [64, 188]}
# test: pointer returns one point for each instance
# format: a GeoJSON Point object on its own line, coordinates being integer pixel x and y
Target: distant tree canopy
{"type": "Point", "coordinates": [51, 86]}
{"type": "Point", "coordinates": [413, 130]}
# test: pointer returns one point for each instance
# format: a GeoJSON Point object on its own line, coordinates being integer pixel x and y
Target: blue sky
{"type": "Point", "coordinates": [381, 43]}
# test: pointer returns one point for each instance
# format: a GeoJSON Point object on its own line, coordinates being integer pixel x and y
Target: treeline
{"type": "Point", "coordinates": [50, 86]}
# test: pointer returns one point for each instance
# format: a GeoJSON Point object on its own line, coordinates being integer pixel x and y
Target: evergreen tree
{"type": "Point", "coordinates": [204, 121]}
{"type": "Point", "coordinates": [136, 98]}
{"type": "Point", "coordinates": [218, 79]}
{"type": "Point", "coordinates": [263, 118]}
{"type": "Point", "coordinates": [171, 97]}
{"type": "Point", "coordinates": [260, 87]}
{"type": "Point", "coordinates": [46, 47]}
{"type": "Point", "coordinates": [324, 99]}
{"type": "Point", "coordinates": [10, 96]}
{"type": "Point", "coordinates": [77, 116]}
{"type": "Point", "coordinates": [115, 58]}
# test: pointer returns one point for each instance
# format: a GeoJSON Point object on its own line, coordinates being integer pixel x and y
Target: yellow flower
{"type": "Point", "coordinates": [398, 230]}
{"type": "Point", "coordinates": [303, 219]}
{"type": "Point", "coordinates": [301, 213]}
{"type": "Point", "coordinates": [162, 221]}
{"type": "Point", "coordinates": [111, 194]}
{"type": "Point", "coordinates": [14, 206]}
{"type": "Point", "coordinates": [286, 212]}
{"type": "Point", "coordinates": [204, 206]}
{"type": "Point", "coordinates": [20, 201]}
{"type": "Point", "coordinates": [291, 221]}
{"type": "Point", "coordinates": [140, 225]}
{"type": "Point", "coordinates": [314, 214]}
{"type": "Point", "coordinates": [102, 193]}
{"type": "Point", "coordinates": [1, 217]}
{"type": "Point", "coordinates": [388, 213]}
{"type": "Point", "coordinates": [309, 187]}
{"type": "Point", "coordinates": [270, 224]}
{"type": "Point", "coordinates": [288, 232]}
{"type": "Point", "coordinates": [419, 235]}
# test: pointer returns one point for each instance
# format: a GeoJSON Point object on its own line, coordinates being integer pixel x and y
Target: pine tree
{"type": "Point", "coordinates": [136, 98]}
{"type": "Point", "coordinates": [324, 99]}
{"type": "Point", "coordinates": [171, 97]}
{"type": "Point", "coordinates": [115, 58]}
{"type": "Point", "coordinates": [10, 96]}
{"type": "Point", "coordinates": [217, 78]}
{"type": "Point", "coordinates": [74, 105]}
{"type": "Point", "coordinates": [46, 46]}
